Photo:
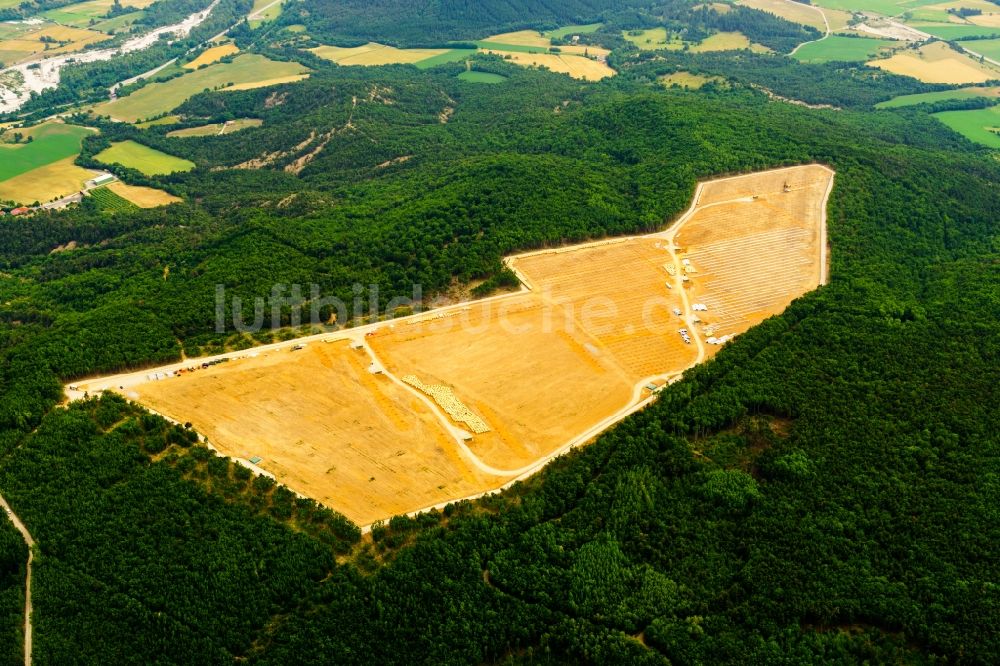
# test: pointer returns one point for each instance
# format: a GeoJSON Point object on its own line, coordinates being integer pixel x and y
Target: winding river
{"type": "Point", "coordinates": [43, 73]}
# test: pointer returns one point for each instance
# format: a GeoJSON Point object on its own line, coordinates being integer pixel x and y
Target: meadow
{"type": "Point", "coordinates": [650, 39]}
{"type": "Point", "coordinates": [939, 96]}
{"type": "Point", "coordinates": [987, 47]}
{"type": "Point", "coordinates": [263, 11]}
{"type": "Point", "coordinates": [246, 71]}
{"type": "Point", "coordinates": [453, 55]}
{"type": "Point", "coordinates": [959, 31]}
{"type": "Point", "coordinates": [215, 129]}
{"type": "Point", "coordinates": [568, 30]}
{"type": "Point", "coordinates": [837, 48]}
{"type": "Point", "coordinates": [80, 15]}
{"type": "Point", "coordinates": [885, 7]}
{"type": "Point", "coordinates": [657, 38]}
{"type": "Point", "coordinates": [481, 77]}
{"type": "Point", "coordinates": [688, 80]}
{"type": "Point", "coordinates": [142, 158]}
{"type": "Point", "coordinates": [975, 125]}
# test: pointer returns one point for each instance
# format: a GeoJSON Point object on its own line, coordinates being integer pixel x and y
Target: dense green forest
{"type": "Point", "coordinates": [13, 558]}
{"type": "Point", "coordinates": [824, 491]}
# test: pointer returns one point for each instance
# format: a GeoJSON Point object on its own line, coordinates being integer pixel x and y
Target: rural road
{"type": "Point", "coordinates": [121, 382]}
{"type": "Point", "coordinates": [113, 90]}
{"type": "Point", "coordinates": [27, 583]}
{"type": "Point", "coordinates": [77, 196]}
{"type": "Point", "coordinates": [256, 15]}
{"type": "Point", "coordinates": [825, 22]}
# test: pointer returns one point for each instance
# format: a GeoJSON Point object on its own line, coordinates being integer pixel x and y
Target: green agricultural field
{"type": "Point", "coordinates": [519, 48]}
{"type": "Point", "coordinates": [51, 143]}
{"type": "Point", "coordinates": [482, 77]}
{"type": "Point", "coordinates": [886, 7]}
{"type": "Point", "coordinates": [926, 98]}
{"type": "Point", "coordinates": [156, 98]}
{"type": "Point", "coordinates": [107, 200]}
{"type": "Point", "coordinates": [216, 129]}
{"type": "Point", "coordinates": [567, 30]}
{"type": "Point", "coordinates": [958, 31]}
{"type": "Point", "coordinates": [164, 120]}
{"type": "Point", "coordinates": [975, 125]}
{"type": "Point", "coordinates": [118, 23]}
{"type": "Point", "coordinates": [986, 47]}
{"type": "Point", "coordinates": [651, 39]}
{"type": "Point", "coordinates": [142, 158]}
{"type": "Point", "coordinates": [454, 55]}
{"type": "Point", "coordinates": [268, 12]}
{"type": "Point", "coordinates": [837, 48]}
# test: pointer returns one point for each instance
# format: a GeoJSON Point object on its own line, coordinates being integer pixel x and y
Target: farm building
{"type": "Point", "coordinates": [103, 179]}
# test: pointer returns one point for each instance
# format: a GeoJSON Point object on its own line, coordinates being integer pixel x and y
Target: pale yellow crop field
{"type": "Point", "coordinates": [797, 12]}
{"type": "Point", "coordinates": [143, 197]}
{"type": "Point", "coordinates": [43, 184]}
{"type": "Point", "coordinates": [576, 66]}
{"type": "Point", "coordinates": [375, 54]}
{"type": "Point", "coordinates": [213, 54]}
{"type": "Point", "coordinates": [937, 63]}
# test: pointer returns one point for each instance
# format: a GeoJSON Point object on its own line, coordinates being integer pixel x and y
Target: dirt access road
{"type": "Point", "coordinates": [27, 583]}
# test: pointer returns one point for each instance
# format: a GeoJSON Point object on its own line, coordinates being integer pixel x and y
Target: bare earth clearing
{"type": "Point", "coordinates": [381, 419]}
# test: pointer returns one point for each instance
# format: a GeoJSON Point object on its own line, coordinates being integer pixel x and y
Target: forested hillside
{"type": "Point", "coordinates": [434, 21]}
{"type": "Point", "coordinates": [427, 23]}
{"type": "Point", "coordinates": [825, 490]}
{"type": "Point", "coordinates": [819, 492]}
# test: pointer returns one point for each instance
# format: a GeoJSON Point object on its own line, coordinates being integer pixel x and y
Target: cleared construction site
{"type": "Point", "coordinates": [415, 412]}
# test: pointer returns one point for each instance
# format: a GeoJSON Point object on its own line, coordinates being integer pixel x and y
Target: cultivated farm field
{"type": "Point", "coordinates": [141, 196]}
{"type": "Point", "coordinates": [45, 183]}
{"type": "Point", "coordinates": [50, 142]}
{"type": "Point", "coordinates": [576, 66]}
{"type": "Point", "coordinates": [148, 160]}
{"type": "Point", "coordinates": [81, 14]}
{"type": "Point", "coordinates": [840, 48]}
{"type": "Point", "coordinates": [979, 125]}
{"type": "Point", "coordinates": [216, 129]}
{"type": "Point", "coordinates": [797, 12]}
{"type": "Point", "coordinates": [245, 71]}
{"type": "Point", "coordinates": [375, 54]}
{"type": "Point", "coordinates": [924, 98]}
{"type": "Point", "coordinates": [472, 76]}
{"type": "Point", "coordinates": [938, 63]}
{"type": "Point", "coordinates": [25, 45]}
{"type": "Point", "coordinates": [43, 169]}
{"type": "Point", "coordinates": [524, 47]}
{"type": "Point", "coordinates": [213, 54]}
{"type": "Point", "coordinates": [398, 416]}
